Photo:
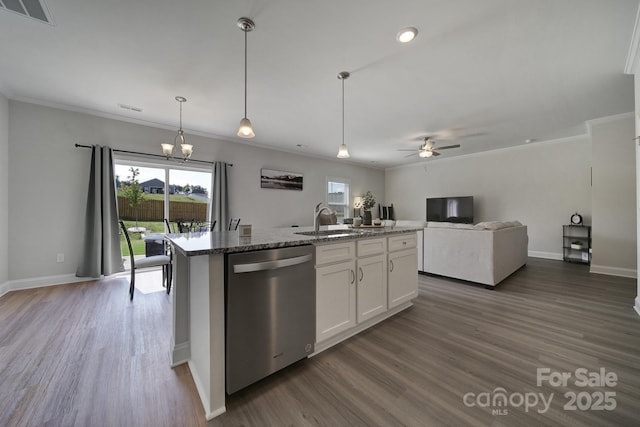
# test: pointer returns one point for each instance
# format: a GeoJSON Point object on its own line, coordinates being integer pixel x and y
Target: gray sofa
{"type": "Point", "coordinates": [484, 253]}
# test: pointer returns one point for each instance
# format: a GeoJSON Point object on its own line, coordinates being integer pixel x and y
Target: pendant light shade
{"type": "Point", "coordinates": [167, 149]}
{"type": "Point", "coordinates": [245, 130]}
{"type": "Point", "coordinates": [343, 151]}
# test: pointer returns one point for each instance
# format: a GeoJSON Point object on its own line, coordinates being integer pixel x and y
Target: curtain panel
{"type": "Point", "coordinates": [220, 201]}
{"type": "Point", "coordinates": [100, 251]}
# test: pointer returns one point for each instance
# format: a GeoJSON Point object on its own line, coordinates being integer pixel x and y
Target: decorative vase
{"type": "Point", "coordinates": [367, 218]}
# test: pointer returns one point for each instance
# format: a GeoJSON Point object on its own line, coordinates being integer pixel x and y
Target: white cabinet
{"type": "Point", "coordinates": [403, 269]}
{"type": "Point", "coordinates": [403, 276]}
{"type": "Point", "coordinates": [358, 282]}
{"type": "Point", "coordinates": [420, 250]}
{"type": "Point", "coordinates": [372, 278]}
{"type": "Point", "coordinates": [372, 286]}
{"type": "Point", "coordinates": [335, 288]}
{"type": "Point", "coordinates": [371, 246]}
{"type": "Point", "coordinates": [403, 241]}
{"type": "Point", "coordinates": [335, 299]}
{"type": "Point", "coordinates": [335, 252]}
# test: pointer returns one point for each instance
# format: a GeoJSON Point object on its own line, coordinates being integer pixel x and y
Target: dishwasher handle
{"type": "Point", "coordinates": [271, 265]}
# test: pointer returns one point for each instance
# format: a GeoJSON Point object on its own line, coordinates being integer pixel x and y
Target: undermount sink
{"type": "Point", "coordinates": [333, 233]}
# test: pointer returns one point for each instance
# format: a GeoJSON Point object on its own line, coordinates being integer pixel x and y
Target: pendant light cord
{"type": "Point", "coordinates": [342, 111]}
{"type": "Point", "coordinates": [245, 73]}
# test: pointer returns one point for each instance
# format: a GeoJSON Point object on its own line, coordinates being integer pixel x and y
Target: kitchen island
{"type": "Point", "coordinates": [354, 263]}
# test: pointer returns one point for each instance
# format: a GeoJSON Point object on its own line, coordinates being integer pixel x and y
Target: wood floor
{"type": "Point", "coordinates": [83, 355]}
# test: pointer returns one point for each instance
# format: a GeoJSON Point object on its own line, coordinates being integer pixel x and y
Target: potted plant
{"type": "Point", "coordinates": [368, 202]}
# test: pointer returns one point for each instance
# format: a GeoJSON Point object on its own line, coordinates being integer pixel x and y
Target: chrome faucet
{"type": "Point", "coordinates": [316, 216]}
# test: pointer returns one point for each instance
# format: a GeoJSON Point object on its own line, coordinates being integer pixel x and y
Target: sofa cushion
{"type": "Point", "coordinates": [496, 225]}
{"type": "Point", "coordinates": [434, 224]}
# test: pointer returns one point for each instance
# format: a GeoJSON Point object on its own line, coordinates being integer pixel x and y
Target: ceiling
{"type": "Point", "coordinates": [486, 74]}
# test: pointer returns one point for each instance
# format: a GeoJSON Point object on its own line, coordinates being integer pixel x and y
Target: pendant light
{"type": "Point", "coordinates": [245, 130]}
{"type": "Point", "coordinates": [187, 149]}
{"type": "Point", "coordinates": [343, 151]}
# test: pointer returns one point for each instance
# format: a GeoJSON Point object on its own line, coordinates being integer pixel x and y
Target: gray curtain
{"type": "Point", "coordinates": [100, 252]}
{"type": "Point", "coordinates": [220, 202]}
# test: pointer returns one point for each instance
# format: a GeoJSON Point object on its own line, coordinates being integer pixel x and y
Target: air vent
{"type": "Point", "coordinates": [130, 107]}
{"type": "Point", "coordinates": [35, 9]}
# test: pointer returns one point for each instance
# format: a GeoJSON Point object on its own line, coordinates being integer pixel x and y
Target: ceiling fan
{"type": "Point", "coordinates": [429, 148]}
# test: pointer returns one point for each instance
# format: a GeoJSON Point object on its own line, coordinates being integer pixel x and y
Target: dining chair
{"type": "Point", "coordinates": [183, 226]}
{"type": "Point", "coordinates": [151, 261]}
{"type": "Point", "coordinates": [233, 224]}
{"type": "Point", "coordinates": [204, 226]}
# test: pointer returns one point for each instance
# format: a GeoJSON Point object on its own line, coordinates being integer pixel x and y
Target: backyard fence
{"type": "Point", "coordinates": [153, 210]}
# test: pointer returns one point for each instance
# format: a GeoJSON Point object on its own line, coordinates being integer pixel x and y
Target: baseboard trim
{"type": "Point", "coordinates": [4, 288]}
{"type": "Point", "coordinates": [546, 255]}
{"type": "Point", "coordinates": [39, 282]}
{"type": "Point", "coordinates": [208, 411]}
{"type": "Point", "coordinates": [614, 271]}
{"type": "Point", "coordinates": [180, 354]}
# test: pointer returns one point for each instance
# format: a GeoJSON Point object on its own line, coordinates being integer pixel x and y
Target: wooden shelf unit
{"type": "Point", "coordinates": [573, 235]}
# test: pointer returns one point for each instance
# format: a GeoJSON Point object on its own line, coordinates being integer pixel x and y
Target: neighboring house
{"type": "Point", "coordinates": [153, 186]}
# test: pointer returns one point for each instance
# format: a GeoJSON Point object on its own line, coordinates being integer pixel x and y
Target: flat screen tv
{"type": "Point", "coordinates": [450, 209]}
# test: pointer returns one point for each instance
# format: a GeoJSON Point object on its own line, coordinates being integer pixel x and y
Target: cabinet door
{"type": "Point", "coordinates": [335, 252]}
{"type": "Point", "coordinates": [403, 277]}
{"type": "Point", "coordinates": [335, 299]}
{"type": "Point", "coordinates": [368, 247]}
{"type": "Point", "coordinates": [372, 286]}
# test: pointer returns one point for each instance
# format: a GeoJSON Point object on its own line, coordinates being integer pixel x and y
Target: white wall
{"type": "Point", "coordinates": [47, 188]}
{"type": "Point", "coordinates": [613, 196]}
{"type": "Point", "coordinates": [637, 144]}
{"type": "Point", "coordinates": [4, 191]}
{"type": "Point", "coordinates": [539, 184]}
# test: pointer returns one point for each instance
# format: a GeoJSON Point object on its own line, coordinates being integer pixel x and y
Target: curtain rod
{"type": "Point", "coordinates": [154, 155]}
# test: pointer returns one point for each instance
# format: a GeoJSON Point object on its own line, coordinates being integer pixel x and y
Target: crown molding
{"type": "Point", "coordinates": [608, 119]}
{"type": "Point", "coordinates": [633, 56]}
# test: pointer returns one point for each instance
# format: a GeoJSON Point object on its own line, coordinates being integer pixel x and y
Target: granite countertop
{"type": "Point", "coordinates": [204, 243]}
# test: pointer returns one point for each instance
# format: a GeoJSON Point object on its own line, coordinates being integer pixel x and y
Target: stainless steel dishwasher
{"type": "Point", "coordinates": [270, 312]}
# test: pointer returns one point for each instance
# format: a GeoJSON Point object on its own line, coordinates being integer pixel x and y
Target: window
{"type": "Point", "coordinates": [163, 191]}
{"type": "Point", "coordinates": [338, 196]}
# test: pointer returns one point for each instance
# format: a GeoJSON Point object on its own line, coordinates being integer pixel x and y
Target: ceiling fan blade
{"type": "Point", "coordinates": [447, 147]}
{"type": "Point", "coordinates": [435, 153]}
{"type": "Point", "coordinates": [406, 149]}
{"type": "Point", "coordinates": [413, 154]}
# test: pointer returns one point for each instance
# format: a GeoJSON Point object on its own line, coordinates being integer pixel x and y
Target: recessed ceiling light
{"type": "Point", "coordinates": [301, 146]}
{"type": "Point", "coordinates": [529, 141]}
{"type": "Point", "coordinates": [407, 34]}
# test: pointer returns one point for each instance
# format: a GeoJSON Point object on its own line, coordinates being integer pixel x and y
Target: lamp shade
{"type": "Point", "coordinates": [425, 153]}
{"type": "Point", "coordinates": [167, 149]}
{"type": "Point", "coordinates": [357, 202]}
{"type": "Point", "coordinates": [187, 150]}
{"type": "Point", "coordinates": [245, 130]}
{"type": "Point", "coordinates": [343, 152]}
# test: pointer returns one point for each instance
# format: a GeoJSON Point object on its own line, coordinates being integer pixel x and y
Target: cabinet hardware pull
{"type": "Point", "coordinates": [353, 276]}
{"type": "Point", "coordinates": [391, 265]}
{"type": "Point", "coordinates": [361, 274]}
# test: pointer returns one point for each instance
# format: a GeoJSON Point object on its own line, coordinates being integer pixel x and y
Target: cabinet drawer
{"type": "Point", "coordinates": [336, 252]}
{"type": "Point", "coordinates": [403, 241]}
{"type": "Point", "coordinates": [372, 246]}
